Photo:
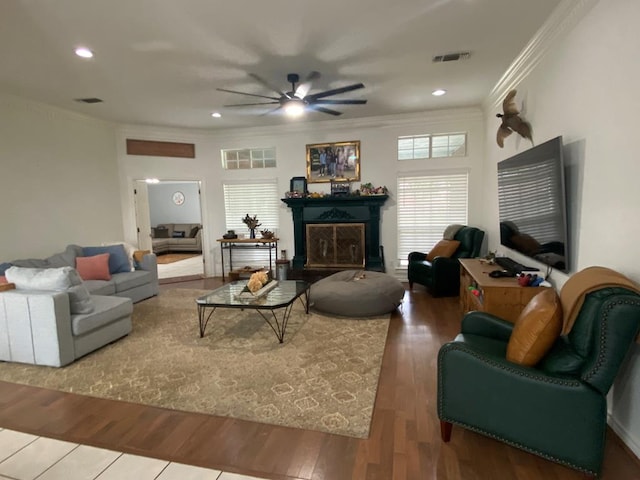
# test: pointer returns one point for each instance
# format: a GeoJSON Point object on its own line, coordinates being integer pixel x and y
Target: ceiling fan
{"type": "Point", "coordinates": [297, 100]}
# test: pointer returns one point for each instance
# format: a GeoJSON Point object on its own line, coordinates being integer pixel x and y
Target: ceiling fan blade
{"type": "Point", "coordinates": [336, 91]}
{"type": "Point", "coordinates": [269, 112]}
{"type": "Point", "coordinates": [246, 104]}
{"type": "Point", "coordinates": [245, 93]}
{"type": "Point", "coordinates": [324, 110]}
{"type": "Point", "coordinates": [303, 88]}
{"type": "Point", "coordinates": [339, 102]}
{"type": "Point", "coordinates": [268, 85]}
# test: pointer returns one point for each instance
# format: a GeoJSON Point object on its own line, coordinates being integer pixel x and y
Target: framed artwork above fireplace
{"type": "Point", "coordinates": [333, 162]}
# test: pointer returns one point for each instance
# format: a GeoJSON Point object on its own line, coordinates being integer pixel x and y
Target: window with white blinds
{"type": "Point", "coordinates": [259, 198]}
{"type": "Point", "coordinates": [427, 204]}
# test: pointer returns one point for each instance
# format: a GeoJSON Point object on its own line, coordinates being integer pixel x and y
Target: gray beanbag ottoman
{"type": "Point", "coordinates": [357, 293]}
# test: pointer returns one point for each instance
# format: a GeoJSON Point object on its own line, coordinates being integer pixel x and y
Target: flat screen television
{"type": "Point", "coordinates": [532, 205]}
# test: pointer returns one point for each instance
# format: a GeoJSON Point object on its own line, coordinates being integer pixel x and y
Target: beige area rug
{"type": "Point", "coordinates": [166, 258]}
{"type": "Point", "coordinates": [323, 377]}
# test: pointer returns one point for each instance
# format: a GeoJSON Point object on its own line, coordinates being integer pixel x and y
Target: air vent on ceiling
{"type": "Point", "coordinates": [451, 57]}
{"type": "Point", "coordinates": [89, 100]}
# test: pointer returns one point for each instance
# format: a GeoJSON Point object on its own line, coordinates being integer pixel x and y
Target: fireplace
{"type": "Point", "coordinates": [337, 232]}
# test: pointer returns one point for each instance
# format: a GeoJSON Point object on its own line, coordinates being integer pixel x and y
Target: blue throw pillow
{"type": "Point", "coordinates": [4, 267]}
{"type": "Point", "coordinates": [118, 260]}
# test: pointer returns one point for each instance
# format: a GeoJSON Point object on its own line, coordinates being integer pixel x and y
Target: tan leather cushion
{"type": "Point", "coordinates": [537, 327]}
{"type": "Point", "coordinates": [444, 248]}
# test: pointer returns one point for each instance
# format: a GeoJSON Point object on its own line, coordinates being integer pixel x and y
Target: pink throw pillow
{"type": "Point", "coordinates": [3, 279]}
{"type": "Point", "coordinates": [94, 268]}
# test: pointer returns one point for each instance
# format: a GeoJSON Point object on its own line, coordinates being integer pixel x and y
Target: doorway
{"type": "Point", "coordinates": [169, 223]}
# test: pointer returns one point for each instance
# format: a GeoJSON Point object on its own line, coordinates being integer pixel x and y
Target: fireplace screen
{"type": "Point", "coordinates": [335, 245]}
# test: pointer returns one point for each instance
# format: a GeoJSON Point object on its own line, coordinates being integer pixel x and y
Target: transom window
{"type": "Point", "coordinates": [246, 158]}
{"type": "Point", "coordinates": [416, 147]}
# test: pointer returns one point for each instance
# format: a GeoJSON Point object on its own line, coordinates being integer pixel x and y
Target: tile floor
{"type": "Point", "coordinates": [29, 457]}
{"type": "Point", "coordinates": [190, 266]}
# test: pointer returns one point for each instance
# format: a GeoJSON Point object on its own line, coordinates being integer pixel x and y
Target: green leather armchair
{"type": "Point", "coordinates": [442, 276]}
{"type": "Point", "coordinates": [557, 409]}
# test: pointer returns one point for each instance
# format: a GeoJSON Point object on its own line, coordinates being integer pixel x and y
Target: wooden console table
{"type": "Point", "coordinates": [502, 297]}
{"type": "Point", "coordinates": [244, 243]}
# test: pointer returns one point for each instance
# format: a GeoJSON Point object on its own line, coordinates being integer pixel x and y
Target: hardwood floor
{"type": "Point", "coordinates": [404, 443]}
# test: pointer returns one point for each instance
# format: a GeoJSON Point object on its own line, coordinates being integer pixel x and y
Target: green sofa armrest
{"type": "Point", "coordinates": [486, 325]}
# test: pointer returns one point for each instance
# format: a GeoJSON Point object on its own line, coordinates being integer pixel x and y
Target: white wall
{"type": "Point", "coordinates": [58, 180]}
{"type": "Point", "coordinates": [162, 209]}
{"type": "Point", "coordinates": [584, 89]}
{"type": "Point", "coordinates": [379, 165]}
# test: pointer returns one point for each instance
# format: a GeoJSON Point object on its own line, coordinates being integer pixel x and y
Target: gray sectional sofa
{"type": "Point", "coordinates": [52, 317]}
{"type": "Point", "coordinates": [177, 237]}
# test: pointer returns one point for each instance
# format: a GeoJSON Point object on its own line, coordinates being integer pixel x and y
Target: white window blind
{"type": "Point", "coordinates": [259, 198]}
{"type": "Point", "coordinates": [427, 204]}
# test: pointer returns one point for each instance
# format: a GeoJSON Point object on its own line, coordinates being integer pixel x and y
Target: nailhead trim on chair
{"type": "Point", "coordinates": [603, 334]}
{"type": "Point", "coordinates": [571, 383]}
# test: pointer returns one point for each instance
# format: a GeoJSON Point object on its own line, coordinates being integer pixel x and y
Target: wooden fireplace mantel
{"type": "Point", "coordinates": [337, 209]}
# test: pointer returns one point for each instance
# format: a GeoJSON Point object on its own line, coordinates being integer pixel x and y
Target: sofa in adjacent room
{"type": "Point", "coordinates": [72, 303]}
{"type": "Point", "coordinates": [177, 237]}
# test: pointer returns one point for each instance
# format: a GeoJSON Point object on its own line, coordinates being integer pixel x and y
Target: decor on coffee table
{"type": "Point", "coordinates": [317, 380]}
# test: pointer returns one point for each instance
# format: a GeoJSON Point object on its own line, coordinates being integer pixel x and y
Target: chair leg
{"type": "Point", "coordinates": [445, 430]}
{"type": "Point", "coordinates": [410, 285]}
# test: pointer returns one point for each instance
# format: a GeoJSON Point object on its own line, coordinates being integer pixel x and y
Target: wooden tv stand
{"type": "Point", "coordinates": [502, 297]}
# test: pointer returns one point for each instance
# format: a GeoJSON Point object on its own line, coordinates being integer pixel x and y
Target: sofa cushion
{"type": "Point", "coordinates": [129, 250]}
{"type": "Point", "coordinates": [536, 329]}
{"type": "Point", "coordinates": [57, 279]}
{"type": "Point", "coordinates": [127, 281]}
{"type": "Point", "coordinates": [118, 259]}
{"type": "Point", "coordinates": [178, 234]}
{"type": "Point", "coordinates": [3, 279]}
{"type": "Point", "coordinates": [63, 259]}
{"type": "Point", "coordinates": [160, 232]}
{"type": "Point", "coordinates": [444, 248]}
{"type": "Point", "coordinates": [95, 267]}
{"type": "Point", "coordinates": [194, 231]}
{"type": "Point", "coordinates": [27, 278]}
{"type": "Point", "coordinates": [107, 310]}
{"type": "Point", "coordinates": [101, 287]}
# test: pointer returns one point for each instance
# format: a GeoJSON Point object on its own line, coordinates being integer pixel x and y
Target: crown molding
{"type": "Point", "coordinates": [562, 20]}
{"type": "Point", "coordinates": [426, 118]}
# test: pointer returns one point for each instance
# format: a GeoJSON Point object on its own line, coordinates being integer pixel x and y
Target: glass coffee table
{"type": "Point", "coordinates": [279, 298]}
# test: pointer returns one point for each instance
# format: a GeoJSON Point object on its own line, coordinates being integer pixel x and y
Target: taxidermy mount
{"type": "Point", "coordinates": [511, 121]}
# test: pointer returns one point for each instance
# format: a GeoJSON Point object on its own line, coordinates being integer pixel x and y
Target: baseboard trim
{"type": "Point", "coordinates": [631, 443]}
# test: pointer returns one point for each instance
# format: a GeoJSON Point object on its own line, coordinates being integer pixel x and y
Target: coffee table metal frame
{"type": "Point", "coordinates": [281, 297]}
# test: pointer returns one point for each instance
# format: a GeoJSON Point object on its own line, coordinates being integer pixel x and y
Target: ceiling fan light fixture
{"type": "Point", "coordinates": [216, 115]}
{"type": "Point", "coordinates": [294, 107]}
{"type": "Point", "coordinates": [439, 92]}
{"type": "Point", "coordinates": [84, 52]}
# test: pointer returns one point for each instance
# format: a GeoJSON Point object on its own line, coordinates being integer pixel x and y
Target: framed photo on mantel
{"type": "Point", "coordinates": [333, 162]}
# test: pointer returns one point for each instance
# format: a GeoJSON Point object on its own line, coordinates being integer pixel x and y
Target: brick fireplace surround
{"type": "Point", "coordinates": [335, 211]}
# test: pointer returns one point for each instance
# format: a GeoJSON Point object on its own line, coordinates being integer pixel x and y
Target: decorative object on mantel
{"type": "Point", "coordinates": [252, 223]}
{"type": "Point", "coordinates": [340, 188]}
{"type": "Point", "coordinates": [369, 189]}
{"type": "Point", "coordinates": [511, 121]}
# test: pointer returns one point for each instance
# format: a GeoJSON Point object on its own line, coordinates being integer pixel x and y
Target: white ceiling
{"type": "Point", "coordinates": [159, 62]}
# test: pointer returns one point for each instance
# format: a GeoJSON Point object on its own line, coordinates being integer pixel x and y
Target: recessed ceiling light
{"type": "Point", "coordinates": [438, 93]}
{"type": "Point", "coordinates": [84, 52]}
{"type": "Point", "coordinates": [152, 180]}
{"type": "Point", "coordinates": [216, 115]}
